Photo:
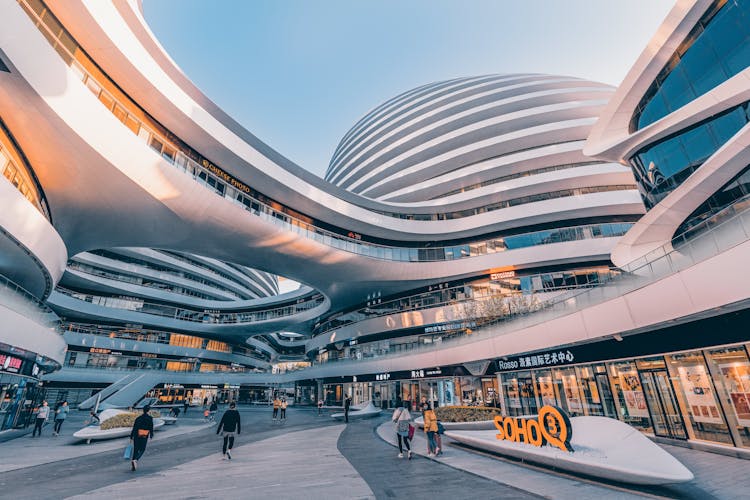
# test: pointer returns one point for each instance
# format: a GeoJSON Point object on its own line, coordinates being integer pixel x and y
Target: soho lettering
{"type": "Point", "coordinates": [551, 426]}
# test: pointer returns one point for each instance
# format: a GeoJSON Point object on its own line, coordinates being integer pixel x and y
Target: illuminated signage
{"type": "Point", "coordinates": [99, 350]}
{"type": "Point", "coordinates": [10, 364]}
{"type": "Point", "coordinates": [148, 355]}
{"type": "Point", "coordinates": [450, 327]}
{"type": "Point", "coordinates": [502, 275]}
{"type": "Point", "coordinates": [546, 359]}
{"type": "Point", "coordinates": [225, 176]}
{"type": "Point", "coordinates": [383, 376]}
{"type": "Point", "coordinates": [551, 427]}
{"type": "Point", "coordinates": [206, 386]}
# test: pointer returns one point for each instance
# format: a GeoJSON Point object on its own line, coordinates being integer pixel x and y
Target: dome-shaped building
{"type": "Point", "coordinates": [473, 136]}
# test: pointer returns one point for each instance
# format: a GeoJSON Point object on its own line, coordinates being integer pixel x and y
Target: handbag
{"type": "Point", "coordinates": [128, 452]}
{"type": "Point", "coordinates": [411, 431]}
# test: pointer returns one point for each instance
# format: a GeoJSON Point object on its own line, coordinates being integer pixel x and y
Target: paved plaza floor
{"type": "Point", "coordinates": [312, 457]}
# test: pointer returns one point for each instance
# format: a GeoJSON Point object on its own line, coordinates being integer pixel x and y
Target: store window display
{"type": "Point", "coordinates": [730, 370]}
{"type": "Point", "coordinates": [697, 397]}
{"type": "Point", "coordinates": [629, 397]}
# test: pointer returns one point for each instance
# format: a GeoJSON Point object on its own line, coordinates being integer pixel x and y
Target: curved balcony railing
{"type": "Point", "coordinates": [152, 337]}
{"type": "Point", "coordinates": [685, 251]}
{"type": "Point", "coordinates": [16, 297]}
{"type": "Point", "coordinates": [236, 191]}
{"type": "Point", "coordinates": [466, 294]}
{"type": "Point", "coordinates": [149, 282]}
{"type": "Point", "coordinates": [203, 316]}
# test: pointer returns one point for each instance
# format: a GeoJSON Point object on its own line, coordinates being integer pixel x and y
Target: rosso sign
{"type": "Point", "coordinates": [551, 426]}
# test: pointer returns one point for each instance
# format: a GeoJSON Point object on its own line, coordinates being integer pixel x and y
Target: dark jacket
{"type": "Point", "coordinates": [347, 404]}
{"type": "Point", "coordinates": [230, 422]}
{"type": "Point", "coordinates": [214, 406]}
{"type": "Point", "coordinates": [143, 422]}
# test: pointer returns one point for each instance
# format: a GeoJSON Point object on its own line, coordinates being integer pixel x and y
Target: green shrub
{"type": "Point", "coordinates": [466, 413]}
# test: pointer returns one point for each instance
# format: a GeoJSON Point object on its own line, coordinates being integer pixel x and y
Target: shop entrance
{"type": "Point", "coordinates": [662, 404]}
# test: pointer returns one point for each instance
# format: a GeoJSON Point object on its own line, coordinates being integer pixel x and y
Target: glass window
{"type": "Point", "coordinates": [717, 49]}
{"type": "Point", "coordinates": [730, 370]}
{"type": "Point", "coordinates": [568, 392]}
{"type": "Point", "coordinates": [629, 396]}
{"type": "Point", "coordinates": [592, 399]}
{"type": "Point", "coordinates": [696, 393]}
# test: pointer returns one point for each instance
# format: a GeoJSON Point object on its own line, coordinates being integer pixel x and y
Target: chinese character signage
{"type": "Point", "coordinates": [553, 358]}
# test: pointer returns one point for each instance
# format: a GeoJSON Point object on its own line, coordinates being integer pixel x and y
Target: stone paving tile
{"type": "Point", "coordinates": [278, 467]}
{"type": "Point", "coordinates": [72, 476]}
{"type": "Point", "coordinates": [392, 477]}
{"type": "Point", "coordinates": [719, 476]}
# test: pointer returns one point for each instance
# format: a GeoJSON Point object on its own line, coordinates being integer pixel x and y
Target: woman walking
{"type": "Point", "coordinates": [402, 422]}
{"type": "Point", "coordinates": [431, 428]}
{"type": "Point", "coordinates": [60, 416]}
{"type": "Point", "coordinates": [230, 424]}
{"type": "Point", "coordinates": [283, 409]}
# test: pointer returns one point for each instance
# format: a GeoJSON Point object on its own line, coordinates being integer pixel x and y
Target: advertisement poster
{"type": "Point", "coordinates": [514, 399]}
{"type": "Point", "coordinates": [699, 395]}
{"type": "Point", "coordinates": [572, 396]}
{"type": "Point", "coordinates": [546, 391]}
{"type": "Point", "coordinates": [633, 394]}
{"type": "Point", "coordinates": [737, 381]}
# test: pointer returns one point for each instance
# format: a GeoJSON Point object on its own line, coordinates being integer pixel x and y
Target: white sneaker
{"type": "Point", "coordinates": [223, 456]}
{"type": "Point", "coordinates": [400, 455]}
{"type": "Point", "coordinates": [430, 454]}
{"type": "Point", "coordinates": [409, 454]}
{"type": "Point", "coordinates": [229, 455]}
{"type": "Point", "coordinates": [437, 451]}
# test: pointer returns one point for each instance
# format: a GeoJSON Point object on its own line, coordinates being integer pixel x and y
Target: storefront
{"type": "Point", "coordinates": [195, 394]}
{"type": "Point", "coordinates": [697, 394]}
{"type": "Point", "coordinates": [21, 392]}
{"type": "Point", "coordinates": [440, 386]}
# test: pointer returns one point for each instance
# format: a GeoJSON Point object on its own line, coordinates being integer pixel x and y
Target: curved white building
{"type": "Point", "coordinates": [458, 252]}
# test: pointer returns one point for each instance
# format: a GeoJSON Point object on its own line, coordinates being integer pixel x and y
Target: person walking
{"type": "Point", "coordinates": [143, 429]}
{"type": "Point", "coordinates": [41, 417]}
{"type": "Point", "coordinates": [347, 405]}
{"type": "Point", "coordinates": [185, 405]}
{"type": "Point", "coordinates": [320, 407]}
{"type": "Point", "coordinates": [283, 409]}
{"type": "Point", "coordinates": [430, 428]}
{"type": "Point", "coordinates": [276, 406]}
{"type": "Point", "coordinates": [212, 410]}
{"type": "Point", "coordinates": [402, 422]}
{"type": "Point", "coordinates": [230, 425]}
{"type": "Point", "coordinates": [60, 415]}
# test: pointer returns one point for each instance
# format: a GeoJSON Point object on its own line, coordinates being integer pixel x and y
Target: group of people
{"type": "Point", "coordinates": [43, 414]}
{"type": "Point", "coordinates": [143, 430]}
{"type": "Point", "coordinates": [279, 409]}
{"type": "Point", "coordinates": [402, 420]}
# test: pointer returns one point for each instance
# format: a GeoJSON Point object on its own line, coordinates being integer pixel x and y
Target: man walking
{"type": "Point", "coordinates": [320, 407]}
{"type": "Point", "coordinates": [41, 417]}
{"type": "Point", "coordinates": [60, 416]}
{"type": "Point", "coordinates": [230, 423]}
{"type": "Point", "coordinates": [347, 404]}
{"type": "Point", "coordinates": [143, 429]}
{"type": "Point", "coordinates": [283, 409]}
{"type": "Point", "coordinates": [185, 405]}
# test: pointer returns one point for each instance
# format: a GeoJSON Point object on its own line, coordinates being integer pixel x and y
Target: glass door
{"type": "Point", "coordinates": [662, 404]}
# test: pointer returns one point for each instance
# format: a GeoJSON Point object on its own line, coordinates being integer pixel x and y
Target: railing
{"type": "Point", "coordinates": [154, 283]}
{"type": "Point", "coordinates": [665, 261]}
{"type": "Point", "coordinates": [457, 296]}
{"type": "Point", "coordinates": [203, 174]}
{"type": "Point", "coordinates": [20, 298]}
{"type": "Point", "coordinates": [206, 317]}
{"type": "Point", "coordinates": [149, 337]}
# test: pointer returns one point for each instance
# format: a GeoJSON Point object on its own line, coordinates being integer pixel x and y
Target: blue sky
{"type": "Point", "coordinates": [299, 74]}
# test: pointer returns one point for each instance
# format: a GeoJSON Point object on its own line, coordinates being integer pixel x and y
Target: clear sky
{"type": "Point", "coordinates": [299, 73]}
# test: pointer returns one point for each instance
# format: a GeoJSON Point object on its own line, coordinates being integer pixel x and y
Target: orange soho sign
{"type": "Point", "coordinates": [551, 426]}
